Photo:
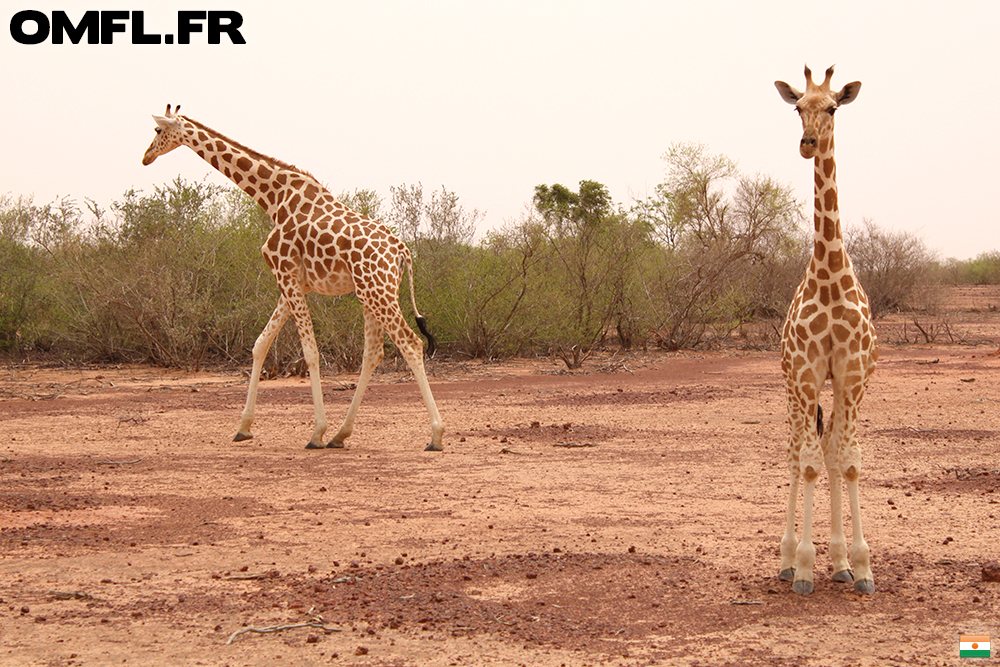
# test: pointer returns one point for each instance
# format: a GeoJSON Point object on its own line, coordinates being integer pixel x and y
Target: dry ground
{"type": "Point", "coordinates": [628, 514]}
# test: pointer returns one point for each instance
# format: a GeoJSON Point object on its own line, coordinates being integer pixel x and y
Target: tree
{"type": "Point", "coordinates": [893, 266]}
{"type": "Point", "coordinates": [722, 235]}
{"type": "Point", "coordinates": [591, 253]}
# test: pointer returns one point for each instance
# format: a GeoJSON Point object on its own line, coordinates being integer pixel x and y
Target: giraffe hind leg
{"type": "Point", "coordinates": [372, 356]}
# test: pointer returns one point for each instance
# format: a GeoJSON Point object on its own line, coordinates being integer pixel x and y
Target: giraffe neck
{"type": "Point", "coordinates": [270, 182]}
{"type": "Point", "coordinates": [828, 241]}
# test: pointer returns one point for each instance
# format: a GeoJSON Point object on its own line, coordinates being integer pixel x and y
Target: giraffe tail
{"type": "Point", "coordinates": [421, 322]}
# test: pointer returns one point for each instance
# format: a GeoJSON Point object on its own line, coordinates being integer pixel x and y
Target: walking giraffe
{"type": "Point", "coordinates": [316, 245]}
{"type": "Point", "coordinates": [828, 335]}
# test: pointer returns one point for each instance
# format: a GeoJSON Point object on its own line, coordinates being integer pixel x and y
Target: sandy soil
{"type": "Point", "coordinates": [628, 514]}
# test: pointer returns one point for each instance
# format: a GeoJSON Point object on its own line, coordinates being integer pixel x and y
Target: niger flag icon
{"type": "Point", "coordinates": [974, 646]}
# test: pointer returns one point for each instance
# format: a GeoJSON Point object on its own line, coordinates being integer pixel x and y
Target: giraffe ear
{"type": "Point", "coordinates": [788, 93]}
{"type": "Point", "coordinates": [848, 93]}
{"type": "Point", "coordinates": [162, 121]}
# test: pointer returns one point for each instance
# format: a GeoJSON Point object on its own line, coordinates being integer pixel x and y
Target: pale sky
{"type": "Point", "coordinates": [490, 99]}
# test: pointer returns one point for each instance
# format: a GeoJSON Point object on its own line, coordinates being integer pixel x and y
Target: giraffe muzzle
{"type": "Point", "coordinates": [807, 146]}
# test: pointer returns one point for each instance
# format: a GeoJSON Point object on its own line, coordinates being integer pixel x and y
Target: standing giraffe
{"type": "Point", "coordinates": [316, 245]}
{"type": "Point", "coordinates": [828, 335]}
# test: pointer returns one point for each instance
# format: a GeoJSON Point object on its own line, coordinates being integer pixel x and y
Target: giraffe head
{"type": "Point", "coordinates": [168, 135]}
{"type": "Point", "coordinates": [816, 107]}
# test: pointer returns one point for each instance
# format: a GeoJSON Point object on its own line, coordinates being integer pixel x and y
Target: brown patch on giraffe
{"type": "Point", "coordinates": [852, 296]}
{"type": "Point", "coordinates": [819, 324]}
{"type": "Point", "coordinates": [311, 191]}
{"type": "Point", "coordinates": [824, 144]}
{"type": "Point", "coordinates": [808, 311]}
{"type": "Point", "coordinates": [219, 146]}
{"type": "Point", "coordinates": [819, 182]}
{"type": "Point", "coordinates": [835, 260]}
{"type": "Point", "coordinates": [830, 199]}
{"type": "Point", "coordinates": [823, 274]}
{"type": "Point", "coordinates": [202, 136]}
{"type": "Point", "coordinates": [264, 171]}
{"type": "Point", "coordinates": [847, 281]}
{"type": "Point", "coordinates": [325, 239]}
{"type": "Point", "coordinates": [281, 178]}
{"type": "Point", "coordinates": [272, 242]}
{"type": "Point", "coordinates": [214, 161]}
{"type": "Point", "coordinates": [828, 167]}
{"type": "Point", "coordinates": [840, 332]}
{"type": "Point", "coordinates": [834, 292]}
{"type": "Point", "coordinates": [810, 290]}
{"type": "Point", "coordinates": [824, 295]}
{"type": "Point", "coordinates": [250, 191]}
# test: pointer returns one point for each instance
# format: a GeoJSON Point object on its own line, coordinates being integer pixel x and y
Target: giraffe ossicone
{"type": "Point", "coordinates": [316, 245]}
{"type": "Point", "coordinates": [827, 336]}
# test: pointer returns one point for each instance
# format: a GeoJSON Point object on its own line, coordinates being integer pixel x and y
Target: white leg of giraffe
{"type": "Point", "coordinates": [260, 349]}
{"type": "Point", "coordinates": [864, 581]}
{"type": "Point", "coordinates": [414, 356]}
{"type": "Point", "coordinates": [409, 345]}
{"type": "Point", "coordinates": [809, 462]}
{"type": "Point", "coordinates": [372, 356]}
{"type": "Point", "coordinates": [805, 554]}
{"type": "Point", "coordinates": [790, 541]}
{"type": "Point", "coordinates": [310, 352]}
{"type": "Point", "coordinates": [838, 545]}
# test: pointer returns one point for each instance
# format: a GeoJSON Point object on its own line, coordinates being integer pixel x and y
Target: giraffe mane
{"type": "Point", "coordinates": [257, 155]}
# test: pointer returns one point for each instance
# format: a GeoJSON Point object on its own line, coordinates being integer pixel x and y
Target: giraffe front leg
{"type": "Point", "coordinates": [805, 553]}
{"type": "Point", "coordinates": [864, 580]}
{"type": "Point", "coordinates": [260, 349]}
{"type": "Point", "coordinates": [310, 352]}
{"type": "Point", "coordinates": [838, 545]}
{"type": "Point", "coordinates": [790, 542]}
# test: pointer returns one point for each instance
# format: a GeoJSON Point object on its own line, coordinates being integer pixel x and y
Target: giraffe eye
{"type": "Point", "coordinates": [798, 111]}
{"type": "Point", "coordinates": [831, 110]}
{"type": "Point", "coordinates": [159, 130]}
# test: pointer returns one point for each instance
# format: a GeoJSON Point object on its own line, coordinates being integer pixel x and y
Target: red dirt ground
{"type": "Point", "coordinates": [627, 514]}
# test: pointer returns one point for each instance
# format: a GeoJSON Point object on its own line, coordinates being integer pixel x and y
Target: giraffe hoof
{"type": "Point", "coordinates": [333, 444]}
{"type": "Point", "coordinates": [844, 577]}
{"type": "Point", "coordinates": [864, 586]}
{"type": "Point", "coordinates": [313, 445]}
{"type": "Point", "coordinates": [433, 448]}
{"type": "Point", "coordinates": [787, 574]}
{"type": "Point", "coordinates": [240, 437]}
{"type": "Point", "coordinates": [802, 587]}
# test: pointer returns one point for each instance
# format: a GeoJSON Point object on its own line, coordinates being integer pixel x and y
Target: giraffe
{"type": "Point", "coordinates": [316, 245]}
{"type": "Point", "coordinates": [827, 335]}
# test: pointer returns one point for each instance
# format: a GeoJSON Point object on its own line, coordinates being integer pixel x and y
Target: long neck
{"type": "Point", "coordinates": [270, 182]}
{"type": "Point", "coordinates": [827, 236]}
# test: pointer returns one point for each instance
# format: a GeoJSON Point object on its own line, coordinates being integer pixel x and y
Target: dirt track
{"type": "Point", "coordinates": [625, 517]}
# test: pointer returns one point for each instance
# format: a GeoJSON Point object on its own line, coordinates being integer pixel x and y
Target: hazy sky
{"type": "Point", "coordinates": [490, 99]}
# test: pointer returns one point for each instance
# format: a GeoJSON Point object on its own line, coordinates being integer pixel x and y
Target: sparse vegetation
{"type": "Point", "coordinates": [174, 277]}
